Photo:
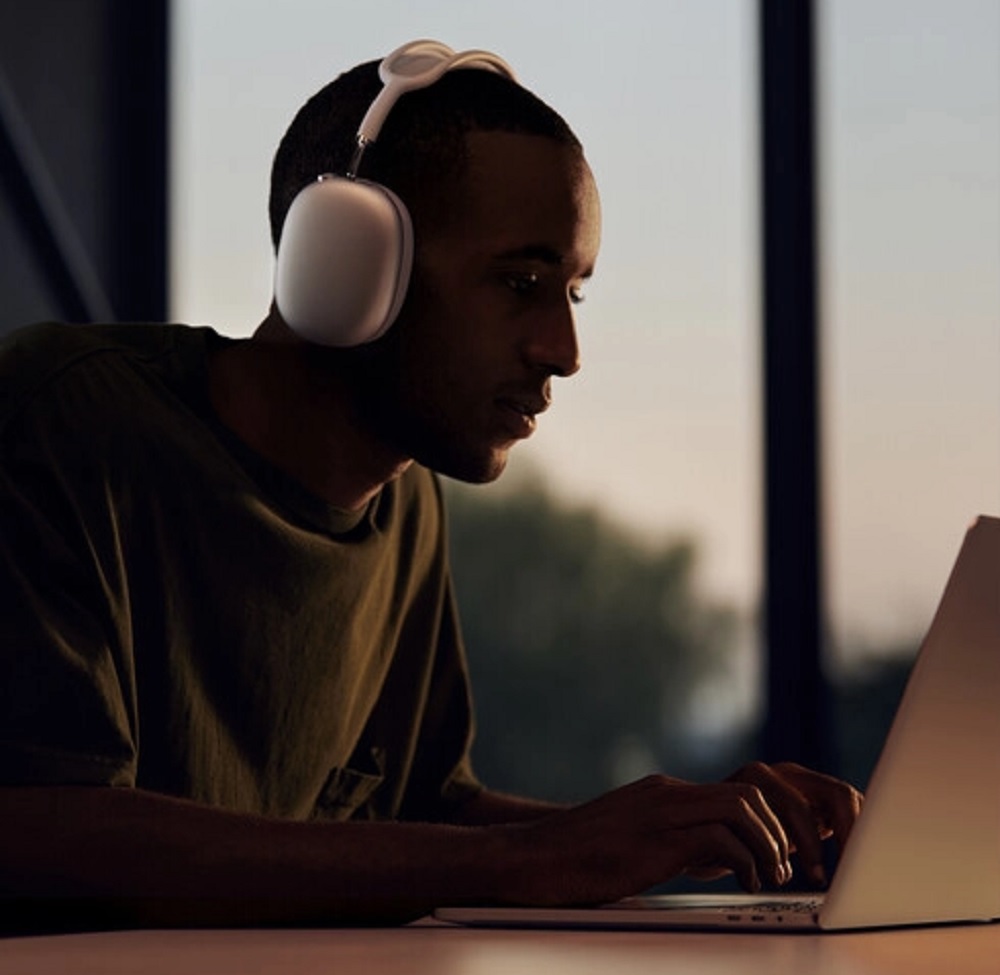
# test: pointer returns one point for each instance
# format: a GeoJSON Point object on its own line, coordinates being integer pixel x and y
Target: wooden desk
{"type": "Point", "coordinates": [439, 950]}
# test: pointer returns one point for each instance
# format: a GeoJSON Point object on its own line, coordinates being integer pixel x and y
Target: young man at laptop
{"type": "Point", "coordinates": [234, 690]}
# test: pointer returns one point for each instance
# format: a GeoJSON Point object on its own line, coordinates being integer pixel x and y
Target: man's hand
{"type": "Point", "coordinates": [660, 827]}
{"type": "Point", "coordinates": [811, 807]}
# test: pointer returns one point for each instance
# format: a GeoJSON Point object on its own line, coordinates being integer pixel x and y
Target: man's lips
{"type": "Point", "coordinates": [527, 405]}
{"type": "Point", "coordinates": [520, 412]}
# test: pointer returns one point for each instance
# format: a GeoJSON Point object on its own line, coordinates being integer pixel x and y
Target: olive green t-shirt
{"type": "Point", "coordinates": [180, 616]}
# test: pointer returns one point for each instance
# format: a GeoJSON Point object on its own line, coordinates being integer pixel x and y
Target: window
{"type": "Point", "coordinates": [910, 168]}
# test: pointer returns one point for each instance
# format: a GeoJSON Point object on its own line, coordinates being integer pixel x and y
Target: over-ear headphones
{"type": "Point", "coordinates": [346, 248]}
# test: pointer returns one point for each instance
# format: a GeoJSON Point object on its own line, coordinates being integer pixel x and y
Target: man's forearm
{"type": "Point", "coordinates": [489, 808]}
{"type": "Point", "coordinates": [158, 861]}
{"type": "Point", "coordinates": [152, 859]}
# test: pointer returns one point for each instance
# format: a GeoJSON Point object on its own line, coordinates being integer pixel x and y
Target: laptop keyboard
{"type": "Point", "coordinates": [807, 905]}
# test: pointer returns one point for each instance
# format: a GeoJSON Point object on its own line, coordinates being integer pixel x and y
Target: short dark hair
{"type": "Point", "coordinates": [421, 150]}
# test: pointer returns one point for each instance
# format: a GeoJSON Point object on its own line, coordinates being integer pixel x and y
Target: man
{"type": "Point", "coordinates": [233, 684]}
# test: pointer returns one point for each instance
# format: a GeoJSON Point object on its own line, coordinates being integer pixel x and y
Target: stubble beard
{"type": "Point", "coordinates": [432, 444]}
{"type": "Point", "coordinates": [395, 413]}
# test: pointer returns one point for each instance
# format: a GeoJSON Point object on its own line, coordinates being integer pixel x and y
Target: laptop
{"type": "Point", "coordinates": [926, 848]}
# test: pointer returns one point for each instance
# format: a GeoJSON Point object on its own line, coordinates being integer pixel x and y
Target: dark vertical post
{"type": "Point", "coordinates": [797, 722]}
{"type": "Point", "coordinates": [141, 108]}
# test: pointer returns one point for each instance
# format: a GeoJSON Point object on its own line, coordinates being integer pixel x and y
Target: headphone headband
{"type": "Point", "coordinates": [416, 65]}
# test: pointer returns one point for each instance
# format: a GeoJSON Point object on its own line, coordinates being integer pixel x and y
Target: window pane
{"type": "Point", "coordinates": [911, 251]}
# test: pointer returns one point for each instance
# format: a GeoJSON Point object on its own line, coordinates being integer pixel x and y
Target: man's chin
{"type": "Point", "coordinates": [471, 469]}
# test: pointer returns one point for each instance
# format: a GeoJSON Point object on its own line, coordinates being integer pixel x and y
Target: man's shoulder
{"type": "Point", "coordinates": [47, 348]}
{"type": "Point", "coordinates": [37, 357]}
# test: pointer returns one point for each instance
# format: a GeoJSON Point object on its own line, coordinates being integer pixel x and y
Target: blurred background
{"type": "Point", "coordinates": [612, 583]}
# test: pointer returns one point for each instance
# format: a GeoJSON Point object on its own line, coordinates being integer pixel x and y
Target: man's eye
{"type": "Point", "coordinates": [522, 283]}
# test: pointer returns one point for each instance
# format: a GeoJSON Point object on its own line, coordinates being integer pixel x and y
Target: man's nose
{"type": "Point", "coordinates": [552, 341]}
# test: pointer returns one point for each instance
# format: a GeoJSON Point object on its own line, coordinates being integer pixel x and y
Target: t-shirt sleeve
{"type": "Point", "coordinates": [67, 714]}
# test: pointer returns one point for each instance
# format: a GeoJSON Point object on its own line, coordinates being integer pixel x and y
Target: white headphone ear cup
{"type": "Point", "coordinates": [344, 261]}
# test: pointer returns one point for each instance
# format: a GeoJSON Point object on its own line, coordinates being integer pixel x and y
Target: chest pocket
{"type": "Point", "coordinates": [347, 790]}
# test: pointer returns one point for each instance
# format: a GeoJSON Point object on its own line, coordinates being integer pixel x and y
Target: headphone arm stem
{"type": "Point", "coordinates": [359, 150]}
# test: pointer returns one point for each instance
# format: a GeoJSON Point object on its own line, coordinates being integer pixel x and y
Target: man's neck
{"type": "Point", "coordinates": [300, 418]}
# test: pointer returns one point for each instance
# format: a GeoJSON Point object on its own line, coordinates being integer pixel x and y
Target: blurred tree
{"type": "Point", "coordinates": [584, 643]}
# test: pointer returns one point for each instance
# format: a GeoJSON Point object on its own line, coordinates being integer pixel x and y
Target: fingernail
{"type": "Point", "coordinates": [786, 869]}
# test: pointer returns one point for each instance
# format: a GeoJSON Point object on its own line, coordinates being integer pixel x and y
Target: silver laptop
{"type": "Point", "coordinates": [926, 849]}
